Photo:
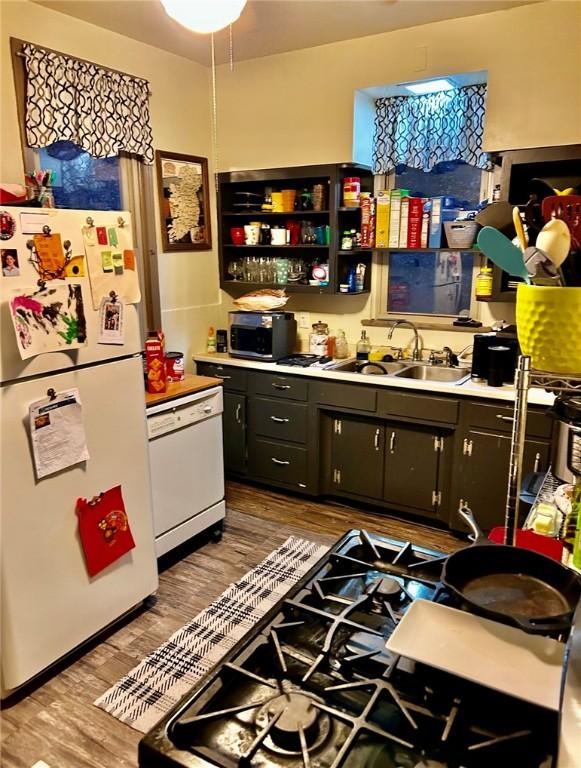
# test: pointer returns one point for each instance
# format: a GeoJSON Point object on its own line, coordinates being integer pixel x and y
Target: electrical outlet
{"type": "Point", "coordinates": [304, 320]}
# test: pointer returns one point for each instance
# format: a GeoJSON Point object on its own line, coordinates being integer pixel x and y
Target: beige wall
{"type": "Point", "coordinates": [302, 107]}
{"type": "Point", "coordinates": [180, 116]}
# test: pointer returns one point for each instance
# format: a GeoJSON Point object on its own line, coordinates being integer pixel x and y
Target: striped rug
{"type": "Point", "coordinates": [156, 684]}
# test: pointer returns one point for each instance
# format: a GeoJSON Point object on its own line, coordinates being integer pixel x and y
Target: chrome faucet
{"type": "Point", "coordinates": [445, 356]}
{"type": "Point", "coordinates": [416, 350]}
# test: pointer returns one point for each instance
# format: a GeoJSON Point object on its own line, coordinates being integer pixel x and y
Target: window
{"type": "Point", "coordinates": [81, 181]}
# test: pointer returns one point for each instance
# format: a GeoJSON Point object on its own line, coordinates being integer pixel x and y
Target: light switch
{"type": "Point", "coordinates": [304, 319]}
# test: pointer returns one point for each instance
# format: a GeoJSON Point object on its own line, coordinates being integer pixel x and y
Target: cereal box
{"type": "Point", "coordinates": [155, 362]}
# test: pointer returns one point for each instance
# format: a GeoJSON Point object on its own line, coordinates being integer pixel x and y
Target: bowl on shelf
{"type": "Point", "coordinates": [548, 324]}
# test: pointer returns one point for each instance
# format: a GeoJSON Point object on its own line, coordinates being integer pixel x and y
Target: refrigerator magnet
{"type": "Point", "coordinates": [102, 236]}
{"type": "Point", "coordinates": [10, 267]}
{"type": "Point", "coordinates": [107, 261]}
{"type": "Point", "coordinates": [111, 320]}
{"type": "Point", "coordinates": [7, 225]}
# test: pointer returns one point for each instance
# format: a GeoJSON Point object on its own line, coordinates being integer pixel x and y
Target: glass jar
{"type": "Point", "coordinates": [351, 191]}
{"type": "Point", "coordinates": [318, 338]}
{"type": "Point", "coordinates": [347, 241]}
{"type": "Point", "coordinates": [341, 346]}
{"type": "Point", "coordinates": [484, 283]}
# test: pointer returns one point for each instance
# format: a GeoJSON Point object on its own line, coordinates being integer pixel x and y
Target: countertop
{"type": "Point", "coordinates": [469, 388]}
{"type": "Point", "coordinates": [191, 383]}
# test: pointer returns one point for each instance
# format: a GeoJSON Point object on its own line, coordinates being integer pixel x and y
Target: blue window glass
{"type": "Point", "coordinates": [82, 181]}
{"type": "Point", "coordinates": [436, 283]}
{"type": "Point", "coordinates": [451, 178]}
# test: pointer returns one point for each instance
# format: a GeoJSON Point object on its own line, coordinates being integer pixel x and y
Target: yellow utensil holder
{"type": "Point", "coordinates": [548, 324]}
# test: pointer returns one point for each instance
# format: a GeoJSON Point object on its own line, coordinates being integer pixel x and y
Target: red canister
{"type": "Point", "coordinates": [351, 191]}
{"type": "Point", "coordinates": [174, 365]}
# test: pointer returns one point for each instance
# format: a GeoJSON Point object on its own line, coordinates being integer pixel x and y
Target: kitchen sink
{"type": "Point", "coordinates": [433, 373]}
{"type": "Point", "coordinates": [370, 368]}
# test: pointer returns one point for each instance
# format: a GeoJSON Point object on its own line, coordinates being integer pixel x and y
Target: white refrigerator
{"type": "Point", "coordinates": [49, 604]}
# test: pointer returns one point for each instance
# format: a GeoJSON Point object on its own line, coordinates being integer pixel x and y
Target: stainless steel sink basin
{"type": "Point", "coordinates": [433, 373]}
{"type": "Point", "coordinates": [370, 368]}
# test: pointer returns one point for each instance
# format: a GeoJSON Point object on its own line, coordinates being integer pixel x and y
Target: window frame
{"type": "Point", "coordinates": [380, 271]}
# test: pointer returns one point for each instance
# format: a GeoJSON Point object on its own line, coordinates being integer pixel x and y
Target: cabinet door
{"type": "Point", "coordinates": [483, 474]}
{"type": "Point", "coordinates": [234, 432]}
{"type": "Point", "coordinates": [411, 467]}
{"type": "Point", "coordinates": [357, 450]}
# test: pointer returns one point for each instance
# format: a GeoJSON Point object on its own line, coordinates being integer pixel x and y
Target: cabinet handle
{"type": "Point", "coordinates": [278, 420]}
{"type": "Point", "coordinates": [218, 376]}
{"type": "Point", "coordinates": [376, 440]}
{"type": "Point", "coordinates": [537, 462]}
{"type": "Point", "coordinates": [467, 447]}
{"type": "Point", "coordinates": [504, 418]}
{"type": "Point", "coordinates": [281, 386]}
{"type": "Point", "coordinates": [278, 461]}
{"type": "Point", "coordinates": [238, 409]}
{"type": "Point", "coordinates": [392, 442]}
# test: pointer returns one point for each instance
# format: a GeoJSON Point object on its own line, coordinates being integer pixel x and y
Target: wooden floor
{"type": "Point", "coordinates": [56, 722]}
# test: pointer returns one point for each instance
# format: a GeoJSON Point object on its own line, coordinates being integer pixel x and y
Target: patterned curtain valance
{"type": "Point", "coordinates": [102, 111]}
{"type": "Point", "coordinates": [422, 131]}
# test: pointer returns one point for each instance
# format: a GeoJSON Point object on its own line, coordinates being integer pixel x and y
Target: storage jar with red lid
{"type": "Point", "coordinates": [351, 191]}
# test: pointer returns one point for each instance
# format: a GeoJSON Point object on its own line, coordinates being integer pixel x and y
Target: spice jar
{"type": "Point", "coordinates": [484, 283]}
{"type": "Point", "coordinates": [351, 191]}
{"type": "Point", "coordinates": [318, 338]}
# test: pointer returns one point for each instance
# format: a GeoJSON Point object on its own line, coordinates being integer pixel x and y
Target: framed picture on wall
{"type": "Point", "coordinates": [184, 201]}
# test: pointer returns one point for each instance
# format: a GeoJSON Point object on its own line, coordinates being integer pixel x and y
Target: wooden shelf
{"type": "Point", "coordinates": [290, 287]}
{"type": "Point", "coordinates": [407, 250]}
{"type": "Point", "coordinates": [286, 247]}
{"type": "Point", "coordinates": [345, 209]}
{"type": "Point", "coordinates": [274, 213]}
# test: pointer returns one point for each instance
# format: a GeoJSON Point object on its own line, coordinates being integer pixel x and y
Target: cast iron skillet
{"type": "Point", "coordinates": [512, 585]}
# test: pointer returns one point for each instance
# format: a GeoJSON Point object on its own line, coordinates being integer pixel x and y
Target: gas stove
{"type": "Point", "coordinates": [304, 360]}
{"type": "Point", "coordinates": [313, 685]}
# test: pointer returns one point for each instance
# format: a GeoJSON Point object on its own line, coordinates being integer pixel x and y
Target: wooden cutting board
{"type": "Point", "coordinates": [495, 655]}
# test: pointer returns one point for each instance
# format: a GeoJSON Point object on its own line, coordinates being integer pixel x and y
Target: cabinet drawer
{"type": "Point", "coordinates": [419, 407]}
{"type": "Point", "coordinates": [280, 419]}
{"type": "Point", "coordinates": [499, 418]}
{"type": "Point", "coordinates": [233, 378]}
{"type": "Point", "coordinates": [289, 387]}
{"type": "Point", "coordinates": [274, 461]}
{"type": "Point", "coordinates": [361, 398]}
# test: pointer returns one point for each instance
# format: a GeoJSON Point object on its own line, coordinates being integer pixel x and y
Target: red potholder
{"type": "Point", "coordinates": [104, 529]}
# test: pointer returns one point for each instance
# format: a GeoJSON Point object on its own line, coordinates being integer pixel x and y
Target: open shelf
{"type": "Point", "coordinates": [289, 287]}
{"type": "Point", "coordinates": [302, 214]}
{"type": "Point", "coordinates": [276, 247]}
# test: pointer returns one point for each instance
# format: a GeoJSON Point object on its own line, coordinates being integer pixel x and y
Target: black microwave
{"type": "Point", "coordinates": [264, 336]}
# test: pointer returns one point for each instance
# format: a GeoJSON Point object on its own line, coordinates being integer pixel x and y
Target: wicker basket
{"type": "Point", "coordinates": [461, 234]}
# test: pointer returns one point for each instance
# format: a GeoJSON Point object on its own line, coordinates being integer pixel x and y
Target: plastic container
{"type": "Point", "coordinates": [211, 344]}
{"type": "Point", "coordinates": [461, 234]}
{"type": "Point", "coordinates": [174, 366]}
{"type": "Point", "coordinates": [484, 283]}
{"type": "Point", "coordinates": [351, 191]}
{"type": "Point", "coordinates": [548, 322]}
{"type": "Point", "coordinates": [363, 347]}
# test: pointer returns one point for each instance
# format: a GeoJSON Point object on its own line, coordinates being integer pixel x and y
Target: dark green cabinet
{"type": "Point", "coordinates": [357, 457]}
{"type": "Point", "coordinates": [234, 427]}
{"type": "Point", "coordinates": [482, 474]}
{"type": "Point", "coordinates": [412, 462]}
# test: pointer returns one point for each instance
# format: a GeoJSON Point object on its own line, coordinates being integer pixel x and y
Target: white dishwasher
{"type": "Point", "coordinates": [187, 467]}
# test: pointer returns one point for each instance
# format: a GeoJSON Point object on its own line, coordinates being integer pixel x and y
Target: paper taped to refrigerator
{"type": "Point", "coordinates": [111, 263]}
{"type": "Point", "coordinates": [50, 319]}
{"type": "Point", "coordinates": [58, 432]}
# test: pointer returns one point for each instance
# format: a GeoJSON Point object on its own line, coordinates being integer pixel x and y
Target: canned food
{"type": "Point", "coordinates": [174, 363]}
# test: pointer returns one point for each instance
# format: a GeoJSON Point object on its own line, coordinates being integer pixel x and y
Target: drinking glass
{"type": "Point", "coordinates": [236, 269]}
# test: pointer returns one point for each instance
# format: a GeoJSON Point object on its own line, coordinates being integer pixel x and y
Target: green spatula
{"type": "Point", "coordinates": [502, 252]}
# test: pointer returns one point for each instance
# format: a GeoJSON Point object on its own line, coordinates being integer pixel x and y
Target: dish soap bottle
{"type": "Point", "coordinates": [341, 346]}
{"type": "Point", "coordinates": [363, 347]}
{"type": "Point", "coordinates": [211, 340]}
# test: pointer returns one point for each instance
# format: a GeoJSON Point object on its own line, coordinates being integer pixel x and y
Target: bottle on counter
{"type": "Point", "coordinates": [363, 347]}
{"type": "Point", "coordinates": [211, 346]}
{"type": "Point", "coordinates": [341, 346]}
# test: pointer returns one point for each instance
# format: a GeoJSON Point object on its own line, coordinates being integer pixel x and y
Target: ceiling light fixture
{"type": "Point", "coordinates": [204, 16]}
{"type": "Point", "coordinates": [429, 86]}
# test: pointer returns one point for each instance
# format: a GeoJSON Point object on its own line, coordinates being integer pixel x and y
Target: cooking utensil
{"type": "Point", "coordinates": [512, 585]}
{"type": "Point", "coordinates": [540, 267]}
{"type": "Point", "coordinates": [502, 252]}
{"type": "Point", "coordinates": [499, 216]}
{"type": "Point", "coordinates": [526, 666]}
{"type": "Point", "coordinates": [520, 232]}
{"type": "Point", "coordinates": [555, 240]}
{"type": "Point", "coordinates": [526, 539]}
